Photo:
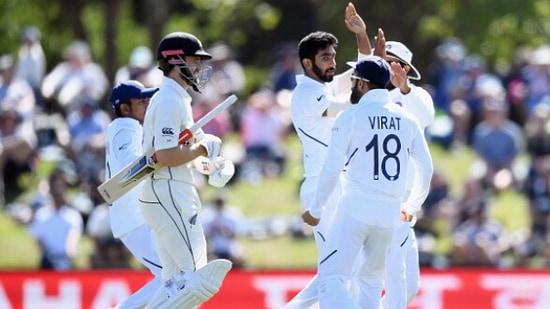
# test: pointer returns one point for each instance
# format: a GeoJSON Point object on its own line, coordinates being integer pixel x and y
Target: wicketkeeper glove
{"type": "Point", "coordinates": [212, 144]}
{"type": "Point", "coordinates": [221, 176]}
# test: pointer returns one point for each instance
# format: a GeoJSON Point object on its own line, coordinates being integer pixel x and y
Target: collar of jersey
{"type": "Point", "coordinates": [375, 96]}
{"type": "Point", "coordinates": [170, 83]}
{"type": "Point", "coordinates": [304, 79]}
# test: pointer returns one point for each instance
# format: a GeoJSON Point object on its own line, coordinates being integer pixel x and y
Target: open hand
{"type": "Point", "coordinates": [353, 21]}
{"type": "Point", "coordinates": [380, 44]}
{"type": "Point", "coordinates": [399, 77]}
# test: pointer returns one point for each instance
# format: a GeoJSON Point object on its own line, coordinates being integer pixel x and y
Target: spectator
{"type": "Point", "coordinates": [87, 127]}
{"type": "Point", "coordinates": [262, 133]}
{"type": "Point", "coordinates": [76, 78]}
{"type": "Point", "coordinates": [537, 135]}
{"type": "Point", "coordinates": [537, 190]}
{"type": "Point", "coordinates": [227, 73]}
{"type": "Point", "coordinates": [16, 132]}
{"type": "Point", "coordinates": [15, 92]}
{"type": "Point", "coordinates": [497, 143]}
{"type": "Point", "coordinates": [31, 62]}
{"type": "Point", "coordinates": [515, 85]}
{"type": "Point", "coordinates": [17, 145]}
{"type": "Point", "coordinates": [52, 131]}
{"type": "Point", "coordinates": [287, 65]}
{"type": "Point", "coordinates": [57, 227]}
{"type": "Point", "coordinates": [478, 241]}
{"type": "Point", "coordinates": [140, 67]}
{"type": "Point", "coordinates": [221, 125]}
{"type": "Point", "coordinates": [468, 95]}
{"type": "Point", "coordinates": [222, 225]}
{"type": "Point", "coordinates": [446, 71]}
{"type": "Point", "coordinates": [537, 77]}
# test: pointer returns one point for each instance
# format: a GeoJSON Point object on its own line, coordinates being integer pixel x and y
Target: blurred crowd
{"type": "Point", "coordinates": [52, 138]}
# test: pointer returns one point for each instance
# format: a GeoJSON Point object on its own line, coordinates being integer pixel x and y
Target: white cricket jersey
{"type": "Point", "coordinates": [123, 146]}
{"type": "Point", "coordinates": [309, 100]}
{"type": "Point", "coordinates": [169, 113]}
{"type": "Point", "coordinates": [375, 141]}
{"type": "Point", "coordinates": [417, 102]}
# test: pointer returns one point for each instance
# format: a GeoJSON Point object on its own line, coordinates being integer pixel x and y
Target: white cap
{"type": "Point", "coordinates": [400, 51]}
{"type": "Point", "coordinates": [141, 57]}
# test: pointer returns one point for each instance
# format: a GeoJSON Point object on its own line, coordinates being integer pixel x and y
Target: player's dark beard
{"type": "Point", "coordinates": [317, 71]}
{"type": "Point", "coordinates": [390, 86]}
{"type": "Point", "coordinates": [355, 95]}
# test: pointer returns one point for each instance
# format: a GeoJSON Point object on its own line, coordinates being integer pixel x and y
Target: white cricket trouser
{"type": "Point", "coordinates": [309, 295]}
{"type": "Point", "coordinates": [402, 279]}
{"type": "Point", "coordinates": [172, 208]}
{"type": "Point", "coordinates": [348, 237]}
{"type": "Point", "coordinates": [140, 242]}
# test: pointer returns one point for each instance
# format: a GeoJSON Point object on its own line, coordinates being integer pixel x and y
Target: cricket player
{"type": "Point", "coordinates": [124, 135]}
{"type": "Point", "coordinates": [169, 200]}
{"type": "Point", "coordinates": [402, 279]}
{"type": "Point", "coordinates": [314, 106]}
{"type": "Point", "coordinates": [370, 150]}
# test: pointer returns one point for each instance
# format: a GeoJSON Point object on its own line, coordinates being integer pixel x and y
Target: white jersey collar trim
{"type": "Point", "coordinates": [375, 96]}
{"type": "Point", "coordinates": [169, 82]}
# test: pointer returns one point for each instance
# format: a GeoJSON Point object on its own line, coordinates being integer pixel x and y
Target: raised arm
{"type": "Point", "coordinates": [355, 24]}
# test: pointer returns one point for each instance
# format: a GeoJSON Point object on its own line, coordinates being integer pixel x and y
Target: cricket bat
{"type": "Point", "coordinates": [133, 173]}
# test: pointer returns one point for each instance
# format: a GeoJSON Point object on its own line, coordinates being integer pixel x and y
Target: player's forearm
{"type": "Point", "coordinates": [179, 155]}
{"type": "Point", "coordinates": [363, 43]}
{"type": "Point", "coordinates": [423, 171]}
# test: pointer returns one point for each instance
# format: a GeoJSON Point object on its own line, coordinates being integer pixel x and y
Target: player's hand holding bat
{"type": "Point", "coordinates": [212, 144]}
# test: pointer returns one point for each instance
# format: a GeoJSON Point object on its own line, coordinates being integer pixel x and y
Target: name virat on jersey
{"type": "Point", "coordinates": [384, 122]}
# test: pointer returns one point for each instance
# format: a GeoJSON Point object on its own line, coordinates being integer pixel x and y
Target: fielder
{"type": "Point", "coordinates": [169, 200]}
{"type": "Point", "coordinates": [314, 105]}
{"type": "Point", "coordinates": [375, 141]}
{"type": "Point", "coordinates": [124, 134]}
{"type": "Point", "coordinates": [402, 280]}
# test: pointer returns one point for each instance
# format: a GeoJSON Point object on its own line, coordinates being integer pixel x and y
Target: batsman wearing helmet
{"type": "Point", "coordinates": [169, 201]}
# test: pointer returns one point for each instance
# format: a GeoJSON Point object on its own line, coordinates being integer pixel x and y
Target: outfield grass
{"type": "Point", "coordinates": [274, 197]}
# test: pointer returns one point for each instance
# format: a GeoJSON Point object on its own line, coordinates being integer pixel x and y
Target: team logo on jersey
{"type": "Point", "coordinates": [167, 131]}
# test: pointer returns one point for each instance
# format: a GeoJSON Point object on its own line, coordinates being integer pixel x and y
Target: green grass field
{"type": "Point", "coordinates": [273, 197]}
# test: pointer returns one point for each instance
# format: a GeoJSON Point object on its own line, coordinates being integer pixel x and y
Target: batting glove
{"type": "Point", "coordinates": [212, 144]}
{"type": "Point", "coordinates": [221, 176]}
{"type": "Point", "coordinates": [204, 165]}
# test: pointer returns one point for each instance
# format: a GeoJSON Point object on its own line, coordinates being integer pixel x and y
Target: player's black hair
{"type": "Point", "coordinates": [164, 66]}
{"type": "Point", "coordinates": [313, 43]}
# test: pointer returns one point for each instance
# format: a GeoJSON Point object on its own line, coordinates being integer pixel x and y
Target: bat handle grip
{"type": "Point", "coordinates": [185, 135]}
